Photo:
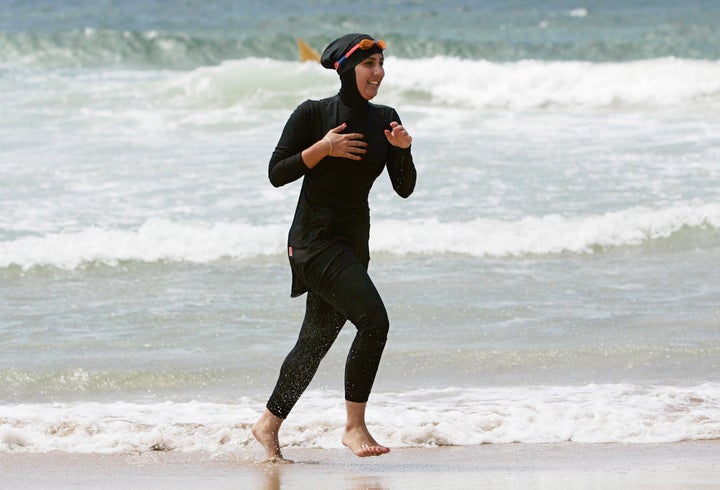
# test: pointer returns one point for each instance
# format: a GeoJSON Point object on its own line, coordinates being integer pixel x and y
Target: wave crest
{"type": "Point", "coordinates": [93, 47]}
{"type": "Point", "coordinates": [105, 47]}
{"type": "Point", "coordinates": [622, 413]}
{"type": "Point", "coordinates": [163, 241]}
{"type": "Point", "coordinates": [463, 83]}
{"type": "Point", "coordinates": [547, 235]}
{"type": "Point", "coordinates": [532, 84]}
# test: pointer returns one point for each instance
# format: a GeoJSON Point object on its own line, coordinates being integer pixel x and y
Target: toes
{"type": "Point", "coordinates": [372, 450]}
{"type": "Point", "coordinates": [279, 459]}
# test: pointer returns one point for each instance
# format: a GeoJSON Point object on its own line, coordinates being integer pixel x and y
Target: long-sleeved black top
{"type": "Point", "coordinates": [333, 202]}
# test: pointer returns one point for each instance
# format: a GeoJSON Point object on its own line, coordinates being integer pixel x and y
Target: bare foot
{"type": "Point", "coordinates": [279, 460]}
{"type": "Point", "coordinates": [266, 432]}
{"type": "Point", "coordinates": [360, 442]}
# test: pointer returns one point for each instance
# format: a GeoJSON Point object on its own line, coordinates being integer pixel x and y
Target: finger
{"type": "Point", "coordinates": [403, 135]}
{"type": "Point", "coordinates": [339, 128]}
{"type": "Point", "coordinates": [398, 137]}
{"type": "Point", "coordinates": [394, 124]}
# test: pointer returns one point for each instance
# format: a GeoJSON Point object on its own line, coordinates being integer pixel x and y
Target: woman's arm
{"type": "Point", "coordinates": [286, 164]}
{"type": "Point", "coordinates": [400, 163]}
{"type": "Point", "coordinates": [402, 171]}
{"type": "Point", "coordinates": [296, 153]}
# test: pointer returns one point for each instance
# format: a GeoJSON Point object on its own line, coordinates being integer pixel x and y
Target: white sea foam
{"type": "Point", "coordinates": [154, 241]}
{"type": "Point", "coordinates": [160, 240]}
{"type": "Point", "coordinates": [578, 12]}
{"type": "Point", "coordinates": [531, 84]}
{"type": "Point", "coordinates": [251, 81]}
{"type": "Point", "coordinates": [477, 84]}
{"type": "Point", "coordinates": [550, 234]}
{"type": "Point", "coordinates": [590, 414]}
{"type": "Point", "coordinates": [257, 83]}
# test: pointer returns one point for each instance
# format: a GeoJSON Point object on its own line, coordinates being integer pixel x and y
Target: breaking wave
{"type": "Point", "coordinates": [164, 241]}
{"type": "Point", "coordinates": [621, 413]}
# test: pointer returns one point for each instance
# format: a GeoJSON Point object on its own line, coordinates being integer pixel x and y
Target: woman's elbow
{"type": "Point", "coordinates": [276, 177]}
{"type": "Point", "coordinates": [405, 194]}
{"type": "Point", "coordinates": [405, 190]}
{"type": "Point", "coordinates": [274, 180]}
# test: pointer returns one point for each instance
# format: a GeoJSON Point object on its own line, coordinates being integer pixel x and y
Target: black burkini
{"type": "Point", "coordinates": [328, 239]}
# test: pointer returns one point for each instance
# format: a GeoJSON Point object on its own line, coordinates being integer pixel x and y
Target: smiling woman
{"type": "Point", "coordinates": [339, 146]}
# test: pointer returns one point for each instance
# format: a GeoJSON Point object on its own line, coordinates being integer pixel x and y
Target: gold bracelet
{"type": "Point", "coordinates": [330, 143]}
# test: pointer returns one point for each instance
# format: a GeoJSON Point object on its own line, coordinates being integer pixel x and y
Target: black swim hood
{"type": "Point", "coordinates": [336, 50]}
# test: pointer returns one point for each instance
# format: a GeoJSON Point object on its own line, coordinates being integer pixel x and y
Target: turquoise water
{"type": "Point", "coordinates": [557, 262]}
{"type": "Point", "coordinates": [201, 33]}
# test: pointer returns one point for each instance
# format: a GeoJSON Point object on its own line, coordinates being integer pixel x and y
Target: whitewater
{"type": "Point", "coordinates": [450, 417]}
{"type": "Point", "coordinates": [160, 240]}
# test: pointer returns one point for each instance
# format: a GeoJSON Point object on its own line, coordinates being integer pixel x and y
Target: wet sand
{"type": "Point", "coordinates": [568, 465]}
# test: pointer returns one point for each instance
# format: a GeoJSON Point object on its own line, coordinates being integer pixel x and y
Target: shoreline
{"type": "Point", "coordinates": [692, 464]}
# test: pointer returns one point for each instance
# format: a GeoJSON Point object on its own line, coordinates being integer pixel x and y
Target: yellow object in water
{"type": "Point", "coordinates": [306, 52]}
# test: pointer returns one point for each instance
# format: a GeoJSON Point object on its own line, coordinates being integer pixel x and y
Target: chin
{"type": "Point", "coordinates": [369, 95]}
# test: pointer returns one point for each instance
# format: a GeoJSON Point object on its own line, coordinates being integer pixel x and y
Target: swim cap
{"type": "Point", "coordinates": [346, 52]}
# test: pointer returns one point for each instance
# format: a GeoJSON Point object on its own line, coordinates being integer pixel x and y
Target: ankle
{"type": "Point", "coordinates": [355, 426]}
{"type": "Point", "coordinates": [269, 422]}
{"type": "Point", "coordinates": [355, 415]}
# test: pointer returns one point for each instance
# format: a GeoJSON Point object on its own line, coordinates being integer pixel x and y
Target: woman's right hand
{"type": "Point", "coordinates": [349, 145]}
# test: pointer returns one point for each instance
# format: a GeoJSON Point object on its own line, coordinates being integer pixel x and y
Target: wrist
{"type": "Point", "coordinates": [330, 145]}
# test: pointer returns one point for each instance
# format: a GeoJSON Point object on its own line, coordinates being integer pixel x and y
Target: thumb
{"type": "Point", "coordinates": [389, 132]}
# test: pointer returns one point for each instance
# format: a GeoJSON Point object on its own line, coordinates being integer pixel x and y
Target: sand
{"type": "Point", "coordinates": [693, 465]}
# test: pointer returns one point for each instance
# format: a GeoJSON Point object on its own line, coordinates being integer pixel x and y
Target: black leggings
{"type": "Point", "coordinates": [340, 290]}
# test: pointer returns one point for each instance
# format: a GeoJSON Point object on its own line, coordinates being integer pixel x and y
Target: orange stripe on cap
{"type": "Point", "coordinates": [364, 44]}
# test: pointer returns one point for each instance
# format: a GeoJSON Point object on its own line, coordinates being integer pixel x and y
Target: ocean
{"type": "Point", "coordinates": [554, 277]}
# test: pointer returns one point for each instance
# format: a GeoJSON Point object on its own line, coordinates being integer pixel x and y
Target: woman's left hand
{"type": "Point", "coordinates": [398, 136]}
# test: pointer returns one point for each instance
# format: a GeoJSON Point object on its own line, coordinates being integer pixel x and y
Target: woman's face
{"type": "Point", "coordinates": [368, 75]}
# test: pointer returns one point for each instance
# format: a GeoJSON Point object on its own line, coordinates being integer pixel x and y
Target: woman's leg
{"type": "Point", "coordinates": [319, 330]}
{"type": "Point", "coordinates": [352, 292]}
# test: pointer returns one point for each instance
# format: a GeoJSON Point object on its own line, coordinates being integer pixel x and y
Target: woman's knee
{"type": "Point", "coordinates": [373, 323]}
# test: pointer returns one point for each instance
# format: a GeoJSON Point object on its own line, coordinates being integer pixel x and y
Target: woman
{"type": "Point", "coordinates": [339, 146]}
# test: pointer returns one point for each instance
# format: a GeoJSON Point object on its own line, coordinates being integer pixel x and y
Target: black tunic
{"type": "Point", "coordinates": [333, 203]}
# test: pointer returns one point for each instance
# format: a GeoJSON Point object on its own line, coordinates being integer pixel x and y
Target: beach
{"type": "Point", "coordinates": [551, 283]}
{"type": "Point", "coordinates": [691, 465]}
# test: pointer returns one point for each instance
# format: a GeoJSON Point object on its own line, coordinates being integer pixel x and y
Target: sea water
{"type": "Point", "coordinates": [554, 276]}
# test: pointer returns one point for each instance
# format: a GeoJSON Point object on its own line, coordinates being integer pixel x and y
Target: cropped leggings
{"type": "Point", "coordinates": [339, 290]}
